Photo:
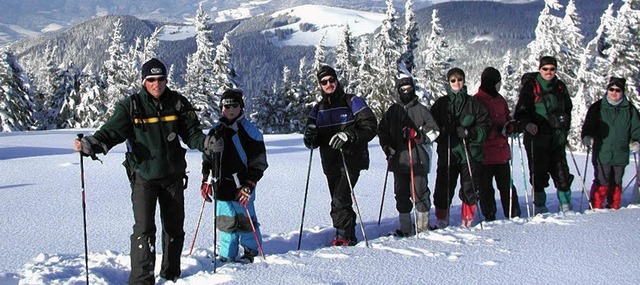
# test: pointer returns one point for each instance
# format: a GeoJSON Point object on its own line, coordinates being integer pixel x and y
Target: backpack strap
{"type": "Point", "coordinates": [137, 112]}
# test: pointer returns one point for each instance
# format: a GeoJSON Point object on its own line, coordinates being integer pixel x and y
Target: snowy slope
{"type": "Point", "coordinates": [43, 242]}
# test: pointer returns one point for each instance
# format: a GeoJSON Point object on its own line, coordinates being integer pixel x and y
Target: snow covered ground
{"type": "Point", "coordinates": [42, 229]}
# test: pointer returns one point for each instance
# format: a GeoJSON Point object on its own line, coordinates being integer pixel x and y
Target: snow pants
{"type": "Point", "coordinates": [547, 158]}
{"type": "Point", "coordinates": [169, 194]}
{"type": "Point", "coordinates": [446, 182]}
{"type": "Point", "coordinates": [342, 214]}
{"type": "Point", "coordinates": [235, 228]}
{"type": "Point", "coordinates": [502, 174]}
{"type": "Point", "coordinates": [404, 196]}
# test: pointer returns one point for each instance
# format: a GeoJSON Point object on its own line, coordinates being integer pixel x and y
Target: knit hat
{"type": "Point", "coordinates": [488, 80]}
{"type": "Point", "coordinates": [402, 81]}
{"type": "Point", "coordinates": [548, 60]}
{"type": "Point", "coordinates": [457, 71]}
{"type": "Point", "coordinates": [326, 70]}
{"type": "Point", "coordinates": [617, 81]}
{"type": "Point", "coordinates": [409, 95]}
{"type": "Point", "coordinates": [153, 69]}
{"type": "Point", "coordinates": [232, 96]}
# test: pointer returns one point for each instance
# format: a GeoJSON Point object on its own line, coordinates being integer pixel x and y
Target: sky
{"type": "Point", "coordinates": [42, 227]}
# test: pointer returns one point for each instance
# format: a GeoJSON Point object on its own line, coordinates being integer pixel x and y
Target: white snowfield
{"type": "Point", "coordinates": [42, 228]}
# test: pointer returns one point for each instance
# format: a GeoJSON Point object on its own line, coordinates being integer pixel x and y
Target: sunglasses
{"type": "Point", "coordinates": [231, 106]}
{"type": "Point", "coordinates": [548, 69]}
{"type": "Point", "coordinates": [617, 90]}
{"type": "Point", "coordinates": [153, 79]}
{"type": "Point", "coordinates": [327, 81]}
{"type": "Point", "coordinates": [454, 80]}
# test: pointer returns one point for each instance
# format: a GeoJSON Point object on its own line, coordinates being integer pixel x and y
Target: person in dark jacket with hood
{"type": "Point", "coordinates": [464, 124]}
{"type": "Point", "coordinates": [341, 124]}
{"type": "Point", "coordinates": [496, 150]}
{"type": "Point", "coordinates": [409, 122]}
{"type": "Point", "coordinates": [544, 112]}
{"type": "Point", "coordinates": [611, 128]}
{"type": "Point", "coordinates": [154, 122]}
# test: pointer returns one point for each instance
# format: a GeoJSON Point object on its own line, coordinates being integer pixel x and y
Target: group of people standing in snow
{"type": "Point", "coordinates": [471, 133]}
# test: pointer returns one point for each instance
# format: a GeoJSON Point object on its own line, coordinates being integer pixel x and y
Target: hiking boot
{"type": "Point", "coordinates": [405, 223]}
{"type": "Point", "coordinates": [541, 209]}
{"type": "Point", "coordinates": [490, 217]}
{"type": "Point", "coordinates": [423, 221]}
{"type": "Point", "coordinates": [343, 242]}
{"type": "Point", "coordinates": [402, 234]}
{"type": "Point", "coordinates": [442, 218]}
{"type": "Point", "coordinates": [248, 256]}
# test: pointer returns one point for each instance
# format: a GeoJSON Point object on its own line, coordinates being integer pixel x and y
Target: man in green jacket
{"type": "Point", "coordinates": [544, 112]}
{"type": "Point", "coordinates": [152, 122]}
{"type": "Point", "coordinates": [612, 123]}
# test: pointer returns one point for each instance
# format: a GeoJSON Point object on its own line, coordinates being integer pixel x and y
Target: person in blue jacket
{"type": "Point", "coordinates": [238, 162]}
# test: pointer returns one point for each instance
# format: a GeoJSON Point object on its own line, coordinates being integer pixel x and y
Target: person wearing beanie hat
{"type": "Point", "coordinates": [237, 165]}
{"type": "Point", "coordinates": [544, 111]}
{"type": "Point", "coordinates": [464, 124]}
{"type": "Point", "coordinates": [611, 128]}
{"type": "Point", "coordinates": [341, 125]}
{"type": "Point", "coordinates": [496, 150]}
{"type": "Point", "coordinates": [155, 122]}
{"type": "Point", "coordinates": [409, 123]}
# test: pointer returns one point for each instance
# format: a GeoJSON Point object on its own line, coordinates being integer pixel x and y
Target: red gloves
{"type": "Point", "coordinates": [411, 134]}
{"type": "Point", "coordinates": [244, 195]}
{"type": "Point", "coordinates": [205, 189]}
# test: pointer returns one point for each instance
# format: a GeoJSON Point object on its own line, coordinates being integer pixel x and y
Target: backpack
{"type": "Point", "coordinates": [137, 112]}
{"type": "Point", "coordinates": [558, 119]}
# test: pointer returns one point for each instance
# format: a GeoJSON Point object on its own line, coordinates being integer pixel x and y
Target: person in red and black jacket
{"type": "Point", "coordinates": [544, 111]}
{"type": "Point", "coordinates": [495, 149]}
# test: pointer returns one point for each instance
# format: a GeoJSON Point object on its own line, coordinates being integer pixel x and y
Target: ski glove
{"type": "Point", "coordinates": [588, 141]}
{"type": "Point", "coordinates": [410, 133]}
{"type": "Point", "coordinates": [90, 146]}
{"type": "Point", "coordinates": [388, 151]}
{"type": "Point", "coordinates": [310, 134]}
{"type": "Point", "coordinates": [205, 189]}
{"type": "Point", "coordinates": [465, 133]}
{"type": "Point", "coordinates": [509, 128]}
{"type": "Point", "coordinates": [634, 146]}
{"type": "Point", "coordinates": [340, 139]}
{"type": "Point", "coordinates": [244, 195]}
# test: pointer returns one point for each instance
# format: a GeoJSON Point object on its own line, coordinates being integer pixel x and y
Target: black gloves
{"type": "Point", "coordinates": [310, 135]}
{"type": "Point", "coordinates": [90, 146]}
{"type": "Point", "coordinates": [465, 133]}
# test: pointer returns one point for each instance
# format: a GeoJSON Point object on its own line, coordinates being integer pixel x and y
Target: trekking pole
{"type": "Point", "coordinates": [448, 179]}
{"type": "Point", "coordinates": [304, 203]}
{"type": "Point", "coordinates": [586, 163]}
{"type": "Point", "coordinates": [473, 183]}
{"type": "Point", "coordinates": [195, 235]}
{"type": "Point", "coordinates": [635, 178]}
{"type": "Point", "coordinates": [584, 187]}
{"type": "Point", "coordinates": [84, 214]}
{"type": "Point", "coordinates": [255, 233]}
{"type": "Point", "coordinates": [511, 188]}
{"type": "Point", "coordinates": [413, 188]}
{"type": "Point", "coordinates": [524, 179]}
{"type": "Point", "coordinates": [353, 196]}
{"type": "Point", "coordinates": [384, 188]}
{"type": "Point", "coordinates": [533, 180]}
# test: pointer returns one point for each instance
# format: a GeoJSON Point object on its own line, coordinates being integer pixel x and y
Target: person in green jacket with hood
{"type": "Point", "coordinates": [612, 128]}
{"type": "Point", "coordinates": [153, 122]}
{"type": "Point", "coordinates": [544, 112]}
{"type": "Point", "coordinates": [464, 124]}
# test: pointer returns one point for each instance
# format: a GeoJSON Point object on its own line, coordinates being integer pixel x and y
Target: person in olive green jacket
{"type": "Point", "coordinates": [611, 127]}
{"type": "Point", "coordinates": [153, 122]}
{"type": "Point", "coordinates": [464, 124]}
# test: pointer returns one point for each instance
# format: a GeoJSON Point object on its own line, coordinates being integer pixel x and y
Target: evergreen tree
{"type": "Point", "coordinates": [224, 73]}
{"type": "Point", "coordinates": [151, 45]}
{"type": "Point", "coordinates": [49, 94]}
{"type": "Point", "coordinates": [436, 61]}
{"type": "Point", "coordinates": [624, 53]}
{"type": "Point", "coordinates": [547, 41]}
{"type": "Point", "coordinates": [510, 80]}
{"type": "Point", "coordinates": [410, 40]}
{"type": "Point", "coordinates": [367, 75]}
{"type": "Point", "coordinates": [199, 86]}
{"type": "Point", "coordinates": [91, 109]}
{"type": "Point", "coordinates": [306, 89]}
{"type": "Point", "coordinates": [388, 47]}
{"type": "Point", "coordinates": [116, 70]}
{"type": "Point", "coordinates": [67, 115]}
{"type": "Point", "coordinates": [346, 61]}
{"type": "Point", "coordinates": [15, 96]}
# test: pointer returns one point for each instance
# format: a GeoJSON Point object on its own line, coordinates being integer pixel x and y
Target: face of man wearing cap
{"type": "Point", "coordinates": [548, 71]}
{"type": "Point", "coordinates": [231, 110]}
{"type": "Point", "coordinates": [328, 84]}
{"type": "Point", "coordinates": [614, 93]}
{"type": "Point", "coordinates": [155, 85]}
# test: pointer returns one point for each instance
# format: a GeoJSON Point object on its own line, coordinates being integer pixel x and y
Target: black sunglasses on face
{"type": "Point", "coordinates": [326, 81]}
{"type": "Point", "coordinates": [230, 106]}
{"type": "Point", "coordinates": [548, 69]}
{"type": "Point", "coordinates": [454, 80]}
{"type": "Point", "coordinates": [617, 90]}
{"type": "Point", "coordinates": [153, 79]}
